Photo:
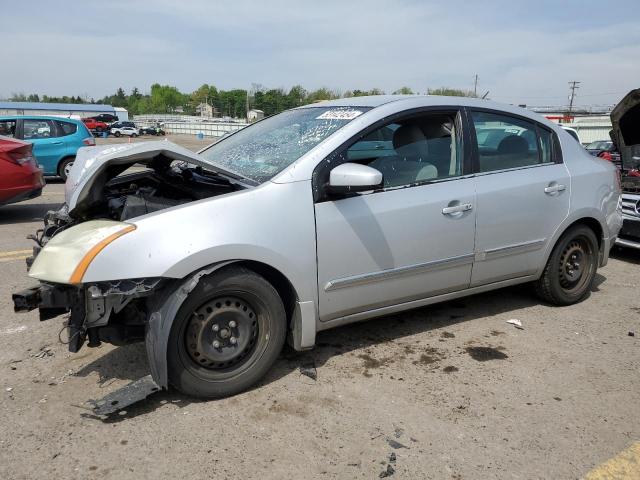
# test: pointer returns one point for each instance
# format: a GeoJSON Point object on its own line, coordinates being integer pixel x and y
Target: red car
{"type": "Point", "coordinates": [95, 125]}
{"type": "Point", "coordinates": [20, 176]}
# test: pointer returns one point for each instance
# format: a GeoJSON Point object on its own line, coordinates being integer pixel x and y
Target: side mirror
{"type": "Point", "coordinates": [353, 177]}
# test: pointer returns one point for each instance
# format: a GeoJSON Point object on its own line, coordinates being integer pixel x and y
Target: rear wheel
{"type": "Point", "coordinates": [227, 334]}
{"type": "Point", "coordinates": [571, 268]}
{"type": "Point", "coordinates": [134, 135]}
{"type": "Point", "coordinates": [65, 167]}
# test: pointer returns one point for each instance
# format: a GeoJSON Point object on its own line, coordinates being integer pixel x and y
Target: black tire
{"type": "Point", "coordinates": [134, 135]}
{"type": "Point", "coordinates": [63, 167]}
{"type": "Point", "coordinates": [571, 268]}
{"type": "Point", "coordinates": [117, 134]}
{"type": "Point", "coordinates": [196, 366]}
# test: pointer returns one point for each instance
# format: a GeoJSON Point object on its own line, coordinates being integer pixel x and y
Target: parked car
{"type": "Point", "coordinates": [599, 147]}
{"type": "Point", "coordinates": [157, 131]}
{"type": "Point", "coordinates": [20, 176]}
{"type": "Point", "coordinates": [625, 119]}
{"type": "Point", "coordinates": [128, 131]}
{"type": "Point", "coordinates": [123, 124]}
{"type": "Point", "coordinates": [279, 231]}
{"type": "Point", "coordinates": [94, 125]}
{"type": "Point", "coordinates": [55, 140]}
{"type": "Point", "coordinates": [106, 118]}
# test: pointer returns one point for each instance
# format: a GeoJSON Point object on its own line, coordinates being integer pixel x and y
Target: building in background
{"type": "Point", "coordinates": [254, 115]}
{"type": "Point", "coordinates": [205, 110]}
{"type": "Point", "coordinates": [69, 110]}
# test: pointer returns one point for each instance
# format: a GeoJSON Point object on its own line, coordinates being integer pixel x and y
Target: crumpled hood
{"type": "Point", "coordinates": [90, 162]}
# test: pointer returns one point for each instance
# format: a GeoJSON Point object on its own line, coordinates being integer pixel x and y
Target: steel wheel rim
{"type": "Point", "coordinates": [575, 265]}
{"type": "Point", "coordinates": [67, 168]}
{"type": "Point", "coordinates": [222, 333]}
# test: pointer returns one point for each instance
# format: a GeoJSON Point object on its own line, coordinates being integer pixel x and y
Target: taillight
{"type": "Point", "coordinates": [91, 142]}
{"type": "Point", "coordinates": [21, 158]}
{"type": "Point", "coordinates": [605, 156]}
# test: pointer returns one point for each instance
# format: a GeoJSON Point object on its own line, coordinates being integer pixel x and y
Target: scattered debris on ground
{"type": "Point", "coordinates": [308, 369]}
{"type": "Point", "coordinates": [632, 334]}
{"type": "Point", "coordinates": [516, 323]}
{"type": "Point", "coordinates": [44, 351]}
{"type": "Point", "coordinates": [395, 444]}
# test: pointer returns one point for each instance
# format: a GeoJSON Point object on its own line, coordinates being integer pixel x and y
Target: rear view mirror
{"type": "Point", "coordinates": [353, 177]}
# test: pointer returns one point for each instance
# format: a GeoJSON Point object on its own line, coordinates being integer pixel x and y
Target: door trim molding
{"type": "Point", "coordinates": [524, 247]}
{"type": "Point", "coordinates": [393, 273]}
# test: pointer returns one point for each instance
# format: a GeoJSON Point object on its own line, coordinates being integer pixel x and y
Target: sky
{"type": "Point", "coordinates": [524, 52]}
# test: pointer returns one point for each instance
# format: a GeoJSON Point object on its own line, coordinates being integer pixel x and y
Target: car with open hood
{"type": "Point", "coordinates": [316, 217]}
{"type": "Point", "coordinates": [625, 119]}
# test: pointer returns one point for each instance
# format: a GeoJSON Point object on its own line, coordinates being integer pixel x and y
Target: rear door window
{"type": "Point", "coordinates": [34, 129]}
{"type": "Point", "coordinates": [8, 128]}
{"type": "Point", "coordinates": [66, 128]}
{"type": "Point", "coordinates": [506, 142]}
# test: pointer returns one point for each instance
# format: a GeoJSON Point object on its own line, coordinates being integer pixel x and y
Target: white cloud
{"type": "Point", "coordinates": [341, 45]}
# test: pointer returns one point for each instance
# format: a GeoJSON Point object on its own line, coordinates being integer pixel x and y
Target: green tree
{"type": "Point", "coordinates": [450, 92]}
{"type": "Point", "coordinates": [403, 91]}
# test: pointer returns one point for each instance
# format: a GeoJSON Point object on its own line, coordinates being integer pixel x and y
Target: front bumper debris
{"type": "Point", "coordinates": [125, 396]}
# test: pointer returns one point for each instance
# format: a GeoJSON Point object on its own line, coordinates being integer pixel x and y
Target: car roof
{"type": "Point", "coordinates": [375, 101]}
{"type": "Point", "coordinates": [38, 117]}
{"type": "Point", "coordinates": [428, 100]}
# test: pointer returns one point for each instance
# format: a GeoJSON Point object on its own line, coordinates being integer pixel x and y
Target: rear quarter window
{"type": "Point", "coordinates": [67, 128]}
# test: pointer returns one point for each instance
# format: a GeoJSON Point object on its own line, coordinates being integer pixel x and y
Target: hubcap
{"type": "Point", "coordinates": [221, 333]}
{"type": "Point", "coordinates": [67, 168]}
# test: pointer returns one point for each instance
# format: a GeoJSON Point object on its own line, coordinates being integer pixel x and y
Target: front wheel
{"type": "Point", "coordinates": [226, 335]}
{"type": "Point", "coordinates": [117, 134]}
{"type": "Point", "coordinates": [134, 135]}
{"type": "Point", "coordinates": [571, 268]}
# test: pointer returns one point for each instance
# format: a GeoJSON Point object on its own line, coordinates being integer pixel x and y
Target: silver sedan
{"type": "Point", "coordinates": [317, 217]}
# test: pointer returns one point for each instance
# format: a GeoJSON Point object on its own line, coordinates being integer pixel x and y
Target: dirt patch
{"type": "Point", "coordinates": [497, 333]}
{"type": "Point", "coordinates": [450, 369]}
{"type": "Point", "coordinates": [430, 356]}
{"type": "Point", "coordinates": [482, 354]}
{"type": "Point", "coordinates": [370, 362]}
{"type": "Point", "coordinates": [448, 335]}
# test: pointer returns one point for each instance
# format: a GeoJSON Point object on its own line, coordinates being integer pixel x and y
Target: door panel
{"type": "Point", "coordinates": [394, 246]}
{"type": "Point", "coordinates": [516, 219]}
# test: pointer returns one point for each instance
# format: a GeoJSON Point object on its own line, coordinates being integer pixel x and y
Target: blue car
{"type": "Point", "coordinates": [55, 140]}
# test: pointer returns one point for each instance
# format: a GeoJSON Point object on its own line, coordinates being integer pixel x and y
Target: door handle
{"type": "Point", "coordinates": [554, 188]}
{"type": "Point", "coordinates": [463, 207]}
{"type": "Point", "coordinates": [56, 143]}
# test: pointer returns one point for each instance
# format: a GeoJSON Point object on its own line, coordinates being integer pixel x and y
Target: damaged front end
{"type": "Point", "coordinates": [106, 187]}
{"type": "Point", "coordinates": [112, 312]}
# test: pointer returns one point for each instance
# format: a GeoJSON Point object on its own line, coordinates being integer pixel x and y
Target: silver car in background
{"type": "Point", "coordinates": [317, 217]}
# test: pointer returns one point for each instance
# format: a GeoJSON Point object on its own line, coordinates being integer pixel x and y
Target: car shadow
{"type": "Point", "coordinates": [630, 255]}
{"type": "Point", "coordinates": [25, 213]}
{"type": "Point", "coordinates": [130, 362]}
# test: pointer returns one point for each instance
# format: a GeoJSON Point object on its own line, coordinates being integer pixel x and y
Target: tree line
{"type": "Point", "coordinates": [231, 103]}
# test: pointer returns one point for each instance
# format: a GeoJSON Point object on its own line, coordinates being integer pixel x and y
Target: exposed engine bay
{"type": "Point", "coordinates": [163, 184]}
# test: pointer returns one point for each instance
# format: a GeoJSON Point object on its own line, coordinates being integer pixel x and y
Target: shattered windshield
{"type": "Point", "coordinates": [261, 151]}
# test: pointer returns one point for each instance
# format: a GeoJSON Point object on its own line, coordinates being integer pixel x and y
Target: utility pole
{"type": "Point", "coordinates": [475, 86]}
{"type": "Point", "coordinates": [573, 85]}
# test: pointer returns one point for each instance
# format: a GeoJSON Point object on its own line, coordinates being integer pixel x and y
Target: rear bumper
{"type": "Point", "coordinates": [22, 194]}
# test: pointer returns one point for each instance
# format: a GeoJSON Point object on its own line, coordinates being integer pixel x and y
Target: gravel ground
{"type": "Point", "coordinates": [446, 391]}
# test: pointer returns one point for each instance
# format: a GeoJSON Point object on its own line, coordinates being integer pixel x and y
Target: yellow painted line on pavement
{"type": "Point", "coordinates": [15, 252]}
{"type": "Point", "coordinates": [624, 466]}
{"type": "Point", "coordinates": [11, 259]}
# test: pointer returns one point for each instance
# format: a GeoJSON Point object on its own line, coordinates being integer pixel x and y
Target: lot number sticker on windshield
{"type": "Point", "coordinates": [339, 115]}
